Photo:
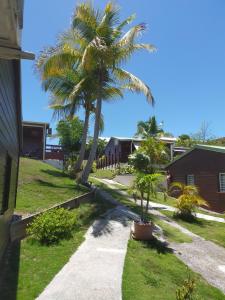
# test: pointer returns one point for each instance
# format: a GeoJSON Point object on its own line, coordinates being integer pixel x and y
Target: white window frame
{"type": "Point", "coordinates": [222, 182]}
{"type": "Point", "coordinates": [190, 179]}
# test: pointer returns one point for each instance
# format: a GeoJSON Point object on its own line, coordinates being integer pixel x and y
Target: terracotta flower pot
{"type": "Point", "coordinates": [143, 231]}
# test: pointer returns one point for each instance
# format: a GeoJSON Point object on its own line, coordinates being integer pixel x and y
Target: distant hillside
{"type": "Point", "coordinates": [41, 186]}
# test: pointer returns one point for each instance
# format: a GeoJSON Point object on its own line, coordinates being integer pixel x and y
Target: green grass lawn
{"type": "Point", "coordinates": [212, 231]}
{"type": "Point", "coordinates": [38, 264]}
{"type": "Point", "coordinates": [41, 186]}
{"type": "Point", "coordinates": [151, 271]}
{"type": "Point", "coordinates": [104, 173]}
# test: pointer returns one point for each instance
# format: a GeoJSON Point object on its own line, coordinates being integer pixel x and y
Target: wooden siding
{"type": "Point", "coordinates": [205, 165]}
{"type": "Point", "coordinates": [9, 142]}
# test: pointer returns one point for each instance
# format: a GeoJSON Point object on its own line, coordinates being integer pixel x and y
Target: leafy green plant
{"type": "Point", "coordinates": [141, 162]}
{"type": "Point", "coordinates": [186, 292]}
{"type": "Point", "coordinates": [145, 184]}
{"type": "Point", "coordinates": [52, 226]}
{"type": "Point", "coordinates": [188, 200]}
{"type": "Point", "coordinates": [123, 170]}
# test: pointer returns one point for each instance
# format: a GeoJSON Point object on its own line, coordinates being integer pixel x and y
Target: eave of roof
{"type": "Point", "coordinates": [218, 149]}
{"type": "Point", "coordinates": [35, 123]}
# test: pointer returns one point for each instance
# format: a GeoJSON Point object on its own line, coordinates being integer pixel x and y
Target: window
{"type": "Point", "coordinates": [190, 179]}
{"type": "Point", "coordinates": [222, 182]}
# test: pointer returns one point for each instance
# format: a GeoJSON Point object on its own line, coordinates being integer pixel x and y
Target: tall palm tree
{"type": "Point", "coordinates": [106, 49]}
{"type": "Point", "coordinates": [61, 78]}
{"type": "Point", "coordinates": [71, 86]}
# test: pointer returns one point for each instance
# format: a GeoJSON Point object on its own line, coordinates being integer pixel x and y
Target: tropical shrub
{"type": "Point", "coordinates": [123, 170]}
{"type": "Point", "coordinates": [188, 200]}
{"type": "Point", "coordinates": [140, 161]}
{"type": "Point", "coordinates": [156, 150]}
{"type": "Point", "coordinates": [52, 226]}
{"type": "Point", "coordinates": [186, 292]}
{"type": "Point", "coordinates": [145, 185]}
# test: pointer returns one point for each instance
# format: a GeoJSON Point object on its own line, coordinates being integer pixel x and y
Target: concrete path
{"type": "Point", "coordinates": [156, 205]}
{"type": "Point", "coordinates": [95, 269]}
{"type": "Point", "coordinates": [203, 257]}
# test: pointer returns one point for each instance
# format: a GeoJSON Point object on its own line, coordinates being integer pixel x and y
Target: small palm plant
{"type": "Point", "coordinates": [145, 185]}
{"type": "Point", "coordinates": [188, 200]}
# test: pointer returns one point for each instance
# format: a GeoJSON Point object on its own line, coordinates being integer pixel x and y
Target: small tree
{"type": "Point", "coordinates": [140, 161]}
{"type": "Point", "coordinates": [70, 132]}
{"type": "Point", "coordinates": [100, 148]}
{"type": "Point", "coordinates": [188, 200]}
{"type": "Point", "coordinates": [145, 185]}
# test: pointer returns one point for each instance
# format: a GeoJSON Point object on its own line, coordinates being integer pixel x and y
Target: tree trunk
{"type": "Point", "coordinates": [78, 164]}
{"type": "Point", "coordinates": [87, 169]}
{"type": "Point", "coordinates": [147, 204]}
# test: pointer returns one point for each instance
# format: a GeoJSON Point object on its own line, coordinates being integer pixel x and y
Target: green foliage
{"type": "Point", "coordinates": [93, 53]}
{"type": "Point", "coordinates": [140, 161]}
{"type": "Point", "coordinates": [186, 292]}
{"type": "Point", "coordinates": [145, 184]}
{"type": "Point", "coordinates": [156, 150]}
{"type": "Point", "coordinates": [124, 170]}
{"type": "Point", "coordinates": [149, 128]}
{"type": "Point", "coordinates": [52, 226]}
{"type": "Point", "coordinates": [70, 134]}
{"type": "Point", "coordinates": [100, 147]}
{"type": "Point", "coordinates": [188, 200]}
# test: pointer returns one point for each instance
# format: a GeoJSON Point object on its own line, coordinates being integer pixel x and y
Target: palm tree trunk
{"type": "Point", "coordinates": [87, 169]}
{"type": "Point", "coordinates": [83, 143]}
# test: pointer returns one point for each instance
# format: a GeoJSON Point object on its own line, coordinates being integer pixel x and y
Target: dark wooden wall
{"type": "Point", "coordinates": [10, 122]}
{"type": "Point", "coordinates": [119, 150]}
{"type": "Point", "coordinates": [206, 166]}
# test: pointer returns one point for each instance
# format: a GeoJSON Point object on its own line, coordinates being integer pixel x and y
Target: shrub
{"type": "Point", "coordinates": [188, 200]}
{"type": "Point", "coordinates": [52, 226]}
{"type": "Point", "coordinates": [140, 161]}
{"type": "Point", "coordinates": [187, 290]}
{"type": "Point", "coordinates": [124, 170]}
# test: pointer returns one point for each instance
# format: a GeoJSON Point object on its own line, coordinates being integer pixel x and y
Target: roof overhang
{"type": "Point", "coordinates": [11, 24]}
{"type": "Point", "coordinates": [35, 124]}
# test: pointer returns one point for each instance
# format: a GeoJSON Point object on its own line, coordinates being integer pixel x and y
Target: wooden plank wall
{"type": "Point", "coordinates": [9, 140]}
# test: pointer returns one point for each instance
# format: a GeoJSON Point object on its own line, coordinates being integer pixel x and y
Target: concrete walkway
{"type": "Point", "coordinates": [95, 269]}
{"type": "Point", "coordinates": [156, 205]}
{"type": "Point", "coordinates": [203, 257]}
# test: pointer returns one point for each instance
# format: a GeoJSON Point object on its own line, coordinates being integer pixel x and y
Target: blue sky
{"type": "Point", "coordinates": [186, 74]}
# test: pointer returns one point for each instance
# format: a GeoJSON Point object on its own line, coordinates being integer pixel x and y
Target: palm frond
{"type": "Point", "coordinates": [134, 84]}
{"type": "Point", "coordinates": [130, 36]}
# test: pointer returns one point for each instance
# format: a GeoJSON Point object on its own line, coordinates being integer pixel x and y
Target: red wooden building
{"type": "Point", "coordinates": [11, 23]}
{"type": "Point", "coordinates": [118, 149]}
{"type": "Point", "coordinates": [34, 142]}
{"type": "Point", "coordinates": [34, 139]}
{"type": "Point", "coordinates": [203, 166]}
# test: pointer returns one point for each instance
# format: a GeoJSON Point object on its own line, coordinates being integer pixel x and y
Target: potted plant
{"type": "Point", "coordinates": [145, 185]}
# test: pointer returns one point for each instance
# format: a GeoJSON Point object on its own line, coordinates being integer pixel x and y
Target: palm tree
{"type": "Point", "coordinates": [59, 76]}
{"type": "Point", "coordinates": [189, 198]}
{"type": "Point", "coordinates": [149, 128]}
{"type": "Point", "coordinates": [106, 48]}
